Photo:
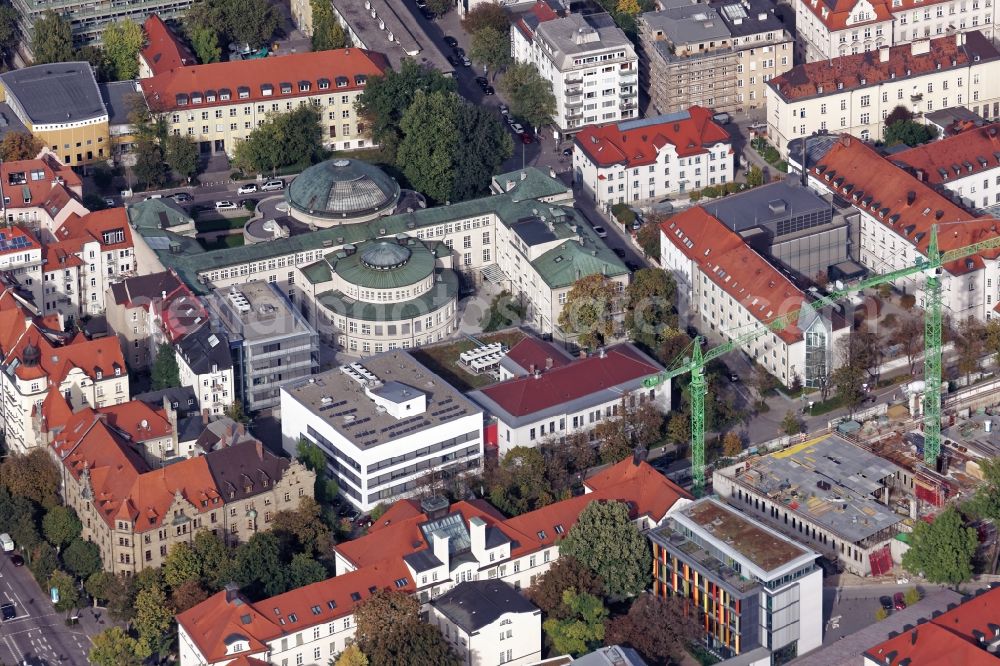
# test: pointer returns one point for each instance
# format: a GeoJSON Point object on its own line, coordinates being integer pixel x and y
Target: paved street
{"type": "Point", "coordinates": [39, 635]}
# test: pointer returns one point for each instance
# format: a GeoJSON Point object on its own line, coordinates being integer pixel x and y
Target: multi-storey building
{"type": "Point", "coordinates": [271, 343]}
{"type": "Point", "coordinates": [589, 61]}
{"type": "Point", "coordinates": [966, 164]}
{"type": "Point", "coordinates": [22, 258]}
{"type": "Point", "coordinates": [855, 93]}
{"type": "Point", "coordinates": [730, 287]}
{"type": "Point", "coordinates": [384, 432]}
{"type": "Point", "coordinates": [136, 512]}
{"type": "Point", "coordinates": [828, 30]}
{"type": "Point", "coordinates": [552, 402]}
{"type": "Point", "coordinates": [205, 363]}
{"type": "Point", "coordinates": [60, 104]}
{"type": "Point", "coordinates": [895, 213]}
{"type": "Point", "coordinates": [40, 193]}
{"type": "Point", "coordinates": [163, 50]}
{"type": "Point", "coordinates": [753, 587]}
{"type": "Point", "coordinates": [640, 160]}
{"type": "Point", "coordinates": [149, 310]}
{"type": "Point", "coordinates": [719, 55]}
{"type": "Point", "coordinates": [782, 491]}
{"type": "Point", "coordinates": [219, 104]}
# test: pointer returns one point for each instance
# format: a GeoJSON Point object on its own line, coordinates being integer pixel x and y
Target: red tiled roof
{"type": "Point", "coordinates": [542, 13]}
{"type": "Point", "coordinates": [582, 377]}
{"type": "Point", "coordinates": [610, 144]}
{"type": "Point", "coordinates": [839, 11]}
{"type": "Point", "coordinates": [12, 232]}
{"type": "Point", "coordinates": [56, 362]}
{"type": "Point", "coordinates": [959, 155]}
{"type": "Point", "coordinates": [181, 312]}
{"type": "Point", "coordinates": [868, 69]}
{"type": "Point", "coordinates": [735, 267]}
{"type": "Point", "coordinates": [41, 188]}
{"type": "Point", "coordinates": [213, 621]}
{"type": "Point", "coordinates": [532, 351]}
{"type": "Point", "coordinates": [856, 172]}
{"type": "Point", "coordinates": [352, 65]}
{"type": "Point", "coordinates": [163, 50]}
{"type": "Point", "coordinates": [77, 230]}
{"type": "Point", "coordinates": [138, 419]}
{"type": "Point", "coordinates": [950, 639]}
{"type": "Point", "coordinates": [652, 493]}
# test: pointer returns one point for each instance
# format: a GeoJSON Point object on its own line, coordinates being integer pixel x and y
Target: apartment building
{"type": "Point", "coordinates": [855, 93]}
{"type": "Point", "coordinates": [149, 310]}
{"type": "Point", "coordinates": [730, 288]}
{"type": "Point", "coordinates": [163, 50]}
{"type": "Point", "coordinates": [382, 428]}
{"type": "Point", "coordinates": [21, 259]}
{"type": "Point", "coordinates": [754, 587]}
{"type": "Point", "coordinates": [718, 55]}
{"type": "Point", "coordinates": [205, 363]}
{"type": "Point", "coordinates": [219, 104]}
{"type": "Point", "coordinates": [555, 401]}
{"type": "Point", "coordinates": [271, 342]}
{"type": "Point", "coordinates": [40, 193]}
{"type": "Point", "coordinates": [830, 30]}
{"type": "Point", "coordinates": [966, 165]}
{"type": "Point", "coordinates": [425, 548]}
{"type": "Point", "coordinates": [136, 512]}
{"type": "Point", "coordinates": [896, 211]}
{"type": "Point", "coordinates": [640, 160]}
{"type": "Point", "coordinates": [60, 104]}
{"type": "Point", "coordinates": [590, 62]}
{"type": "Point", "coordinates": [774, 489]}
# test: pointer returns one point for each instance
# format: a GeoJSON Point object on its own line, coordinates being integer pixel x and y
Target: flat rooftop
{"type": "Point", "coordinates": [341, 400]}
{"type": "Point", "coordinates": [829, 482]}
{"type": "Point", "coordinates": [258, 311]}
{"type": "Point", "coordinates": [393, 31]}
{"type": "Point", "coordinates": [58, 92]}
{"type": "Point", "coordinates": [769, 203]}
{"type": "Point", "coordinates": [765, 548]}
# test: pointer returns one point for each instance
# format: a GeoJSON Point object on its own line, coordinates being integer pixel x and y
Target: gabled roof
{"type": "Point", "coordinates": [205, 348]}
{"type": "Point", "coordinates": [835, 14]}
{"type": "Point", "coordinates": [855, 172]}
{"type": "Point", "coordinates": [651, 493]}
{"type": "Point", "coordinates": [735, 267]}
{"type": "Point", "coordinates": [164, 51]}
{"type": "Point", "coordinates": [138, 420]}
{"type": "Point", "coordinates": [935, 642]}
{"type": "Point", "coordinates": [140, 290]}
{"type": "Point", "coordinates": [531, 351]}
{"type": "Point", "coordinates": [92, 227]}
{"type": "Point", "coordinates": [634, 143]}
{"type": "Point", "coordinates": [37, 177]}
{"type": "Point", "coordinates": [581, 378]}
{"type": "Point", "coordinates": [223, 615]}
{"type": "Point", "coordinates": [475, 604]}
{"type": "Point", "coordinates": [954, 157]}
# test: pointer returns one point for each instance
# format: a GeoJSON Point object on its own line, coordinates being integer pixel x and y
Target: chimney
{"type": "Point", "coordinates": [260, 450]}
{"type": "Point", "coordinates": [204, 416]}
{"type": "Point", "coordinates": [911, 196]}
{"type": "Point", "coordinates": [638, 455]}
{"type": "Point", "coordinates": [232, 592]}
{"type": "Point", "coordinates": [531, 368]}
{"type": "Point", "coordinates": [548, 363]}
{"type": "Point", "coordinates": [477, 533]}
{"type": "Point", "coordinates": [439, 544]}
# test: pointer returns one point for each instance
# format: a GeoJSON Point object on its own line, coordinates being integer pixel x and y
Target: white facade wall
{"type": "Point", "coordinates": [214, 390]}
{"type": "Point", "coordinates": [977, 190]}
{"type": "Point", "coordinates": [513, 639]}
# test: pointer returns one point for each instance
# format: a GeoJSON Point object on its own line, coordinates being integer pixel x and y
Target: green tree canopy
{"type": "Point", "coordinates": [582, 630]}
{"type": "Point", "coordinates": [390, 632]}
{"type": "Point", "coordinates": [68, 594]}
{"type": "Point", "coordinates": [530, 95]}
{"type": "Point", "coordinates": [639, 424]}
{"type": "Point", "coordinates": [260, 570]}
{"type": "Point", "coordinates": [942, 551]}
{"type": "Point", "coordinates": [82, 558]}
{"type": "Point", "coordinates": [649, 306]}
{"type": "Point", "coordinates": [648, 238]}
{"type": "Point", "coordinates": [606, 541]}
{"type": "Point", "coordinates": [182, 155]}
{"type": "Point", "coordinates": [205, 44]}
{"type": "Point", "coordinates": [165, 373]}
{"type": "Point", "coordinates": [32, 476]}
{"type": "Point", "coordinates": [187, 595]}
{"type": "Point", "coordinates": [113, 647]}
{"type": "Point", "coordinates": [986, 502]}
{"type": "Point", "coordinates": [909, 132]}
{"type": "Point", "coordinates": [791, 424]}
{"type": "Point", "coordinates": [122, 42]}
{"type": "Point", "coordinates": [491, 47]}
{"type": "Point", "coordinates": [284, 139]}
{"type": "Point", "coordinates": [19, 145]}
{"type": "Point", "coordinates": [430, 139]}
{"type": "Point", "coordinates": [182, 565]}
{"type": "Point", "coordinates": [60, 525]}
{"type": "Point", "coordinates": [305, 527]}
{"type": "Point", "coordinates": [590, 309]}
{"type": "Point", "coordinates": [154, 615]}
{"type": "Point", "coordinates": [304, 570]}
{"type": "Point", "coordinates": [660, 629]}
{"type": "Point", "coordinates": [755, 177]}
{"type": "Point", "coordinates": [484, 146]}
{"type": "Point", "coordinates": [327, 34]}
{"type": "Point", "coordinates": [519, 483]}
{"type": "Point", "coordinates": [150, 166]}
{"type": "Point", "coordinates": [9, 33]}
{"type": "Point", "coordinates": [565, 573]}
{"type": "Point", "coordinates": [52, 40]}
{"type": "Point", "coordinates": [486, 15]}
{"type": "Point", "coordinates": [352, 656]}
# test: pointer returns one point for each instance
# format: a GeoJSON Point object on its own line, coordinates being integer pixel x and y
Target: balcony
{"type": "Point", "coordinates": [574, 91]}
{"type": "Point", "coordinates": [628, 79]}
{"type": "Point", "coordinates": [571, 115]}
{"type": "Point", "coordinates": [627, 105]}
{"type": "Point", "coordinates": [627, 93]}
{"type": "Point", "coordinates": [574, 82]}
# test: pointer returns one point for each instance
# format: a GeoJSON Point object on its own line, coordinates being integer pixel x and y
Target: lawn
{"type": "Point", "coordinates": [221, 224]}
{"type": "Point", "coordinates": [442, 359]}
{"type": "Point", "coordinates": [223, 242]}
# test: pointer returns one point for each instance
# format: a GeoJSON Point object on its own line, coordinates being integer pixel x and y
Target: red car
{"type": "Point", "coordinates": [527, 138]}
{"type": "Point", "coordinates": [897, 601]}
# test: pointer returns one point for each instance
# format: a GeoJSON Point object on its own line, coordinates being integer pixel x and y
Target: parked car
{"type": "Point", "coordinates": [886, 603]}
{"type": "Point", "coordinates": [898, 602]}
{"type": "Point", "coordinates": [16, 560]}
{"type": "Point", "coordinates": [8, 611]}
{"type": "Point", "coordinates": [567, 152]}
{"type": "Point", "coordinates": [249, 188]}
{"type": "Point", "coordinates": [620, 252]}
{"type": "Point", "coordinates": [154, 196]}
{"type": "Point", "coordinates": [601, 232]}
{"type": "Point", "coordinates": [109, 202]}
{"type": "Point", "coordinates": [504, 111]}
{"type": "Point", "coordinates": [450, 41]}
{"type": "Point", "coordinates": [225, 205]}
{"type": "Point", "coordinates": [272, 185]}
{"type": "Point", "coordinates": [517, 127]}
{"type": "Point", "coordinates": [733, 377]}
{"type": "Point", "coordinates": [482, 82]}
{"type": "Point", "coordinates": [181, 197]}
{"type": "Point", "coordinates": [632, 266]}
{"type": "Point", "coordinates": [459, 52]}
{"type": "Point", "coordinates": [466, 62]}
{"type": "Point", "coordinates": [454, 62]}
{"type": "Point", "coordinates": [488, 90]}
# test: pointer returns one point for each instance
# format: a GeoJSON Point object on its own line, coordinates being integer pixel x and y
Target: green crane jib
{"type": "Point", "coordinates": [932, 266]}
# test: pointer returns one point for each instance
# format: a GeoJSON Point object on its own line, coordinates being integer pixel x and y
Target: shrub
{"type": "Point", "coordinates": [907, 301]}
{"type": "Point", "coordinates": [694, 196]}
{"type": "Point", "coordinates": [711, 192]}
{"type": "Point", "coordinates": [623, 214]}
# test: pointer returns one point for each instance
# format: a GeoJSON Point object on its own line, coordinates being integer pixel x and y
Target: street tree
{"type": "Point", "coordinates": [564, 574]}
{"type": "Point", "coordinates": [648, 238]}
{"type": "Point", "coordinates": [294, 138]}
{"type": "Point", "coordinates": [115, 591]}
{"type": "Point", "coordinates": [82, 558]}
{"type": "Point", "coordinates": [755, 177]}
{"type": "Point", "coordinates": [791, 424]}
{"type": "Point", "coordinates": [387, 97]}
{"type": "Point", "coordinates": [606, 541]}
{"type": "Point", "coordinates": [182, 155]}
{"type": "Point", "coordinates": [66, 586]}
{"type": "Point", "coordinates": [582, 630]}
{"type": "Point", "coordinates": [19, 145]}
{"type": "Point", "coordinates": [150, 166]}
{"type": "Point", "coordinates": [32, 476]}
{"type": "Point", "coordinates": [732, 444]}
{"type": "Point", "coordinates": [491, 47]}
{"type": "Point", "coordinates": [675, 628]}
{"type": "Point", "coordinates": [530, 95]}
{"type": "Point", "coordinates": [328, 34]}
{"type": "Point", "coordinates": [430, 140]}
{"type": "Point", "coordinates": [649, 307]}
{"type": "Point", "coordinates": [114, 647]}
{"type": "Point", "coordinates": [483, 147]}
{"type": "Point", "coordinates": [486, 15]}
{"type": "Point", "coordinates": [60, 525]}
{"type": "Point", "coordinates": [166, 372]}
{"type": "Point", "coordinates": [590, 309]}
{"type": "Point", "coordinates": [52, 39]}
{"type": "Point", "coordinates": [153, 615]}
{"type": "Point", "coordinates": [942, 551]}
{"type": "Point", "coordinates": [908, 333]}
{"type": "Point", "coordinates": [121, 42]}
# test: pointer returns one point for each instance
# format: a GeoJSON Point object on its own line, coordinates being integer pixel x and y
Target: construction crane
{"type": "Point", "coordinates": [932, 267]}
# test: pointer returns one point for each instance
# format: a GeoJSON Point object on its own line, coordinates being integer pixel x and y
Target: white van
{"type": "Point", "coordinates": [6, 543]}
{"type": "Point", "coordinates": [272, 185]}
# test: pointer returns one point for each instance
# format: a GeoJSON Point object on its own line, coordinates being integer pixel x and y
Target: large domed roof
{"type": "Point", "coordinates": [383, 256]}
{"type": "Point", "coordinates": [342, 189]}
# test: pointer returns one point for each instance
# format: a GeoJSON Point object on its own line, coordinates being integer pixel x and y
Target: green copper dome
{"type": "Point", "coordinates": [383, 256]}
{"type": "Point", "coordinates": [342, 189]}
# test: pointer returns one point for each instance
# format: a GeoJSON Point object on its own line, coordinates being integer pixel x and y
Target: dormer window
{"type": "Point", "coordinates": [243, 92]}
{"type": "Point", "coordinates": [266, 89]}
{"type": "Point", "coordinates": [342, 81]}
{"type": "Point", "coordinates": [286, 88]}
{"type": "Point", "coordinates": [360, 79]}
{"type": "Point", "coordinates": [225, 94]}
{"type": "Point", "coordinates": [210, 95]}
{"type": "Point", "coordinates": [196, 98]}
{"type": "Point", "coordinates": [304, 86]}
{"type": "Point", "coordinates": [324, 84]}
